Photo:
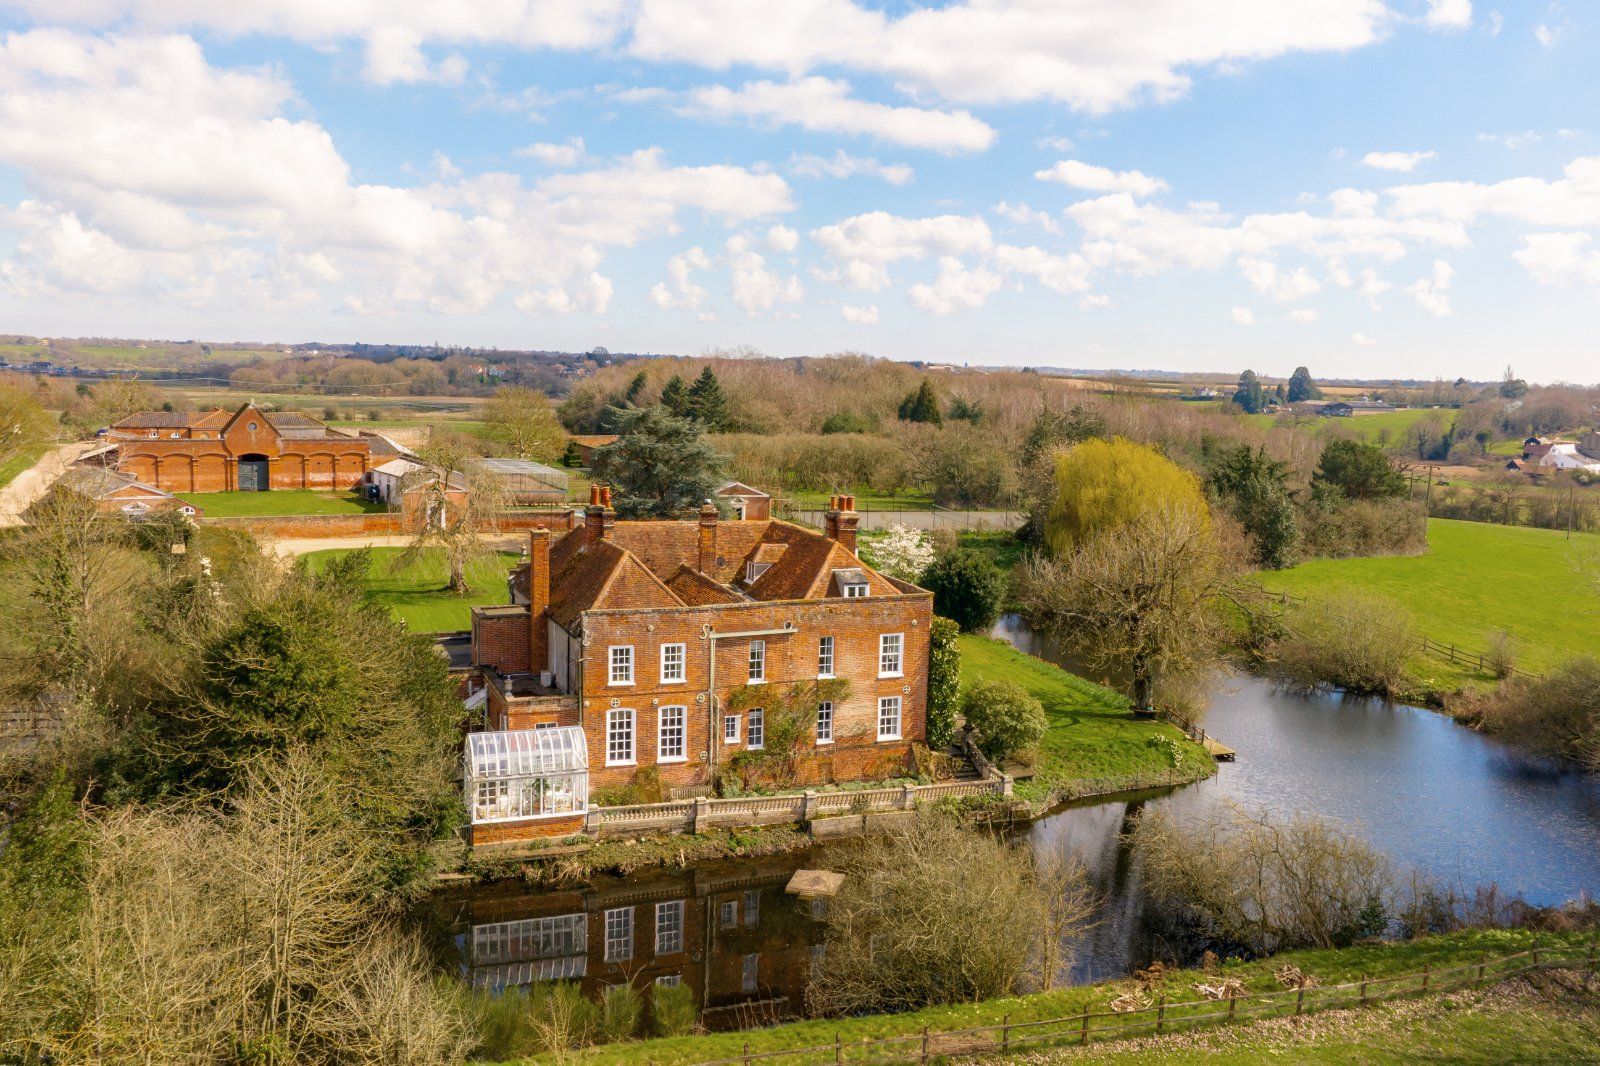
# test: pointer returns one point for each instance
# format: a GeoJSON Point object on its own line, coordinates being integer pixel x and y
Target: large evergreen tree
{"type": "Point", "coordinates": [921, 405]}
{"type": "Point", "coordinates": [1254, 489]}
{"type": "Point", "coordinates": [675, 396]}
{"type": "Point", "coordinates": [1358, 471]}
{"type": "Point", "coordinates": [1301, 387]}
{"type": "Point", "coordinates": [659, 467]}
{"type": "Point", "coordinates": [1249, 395]}
{"type": "Point", "coordinates": [707, 405]}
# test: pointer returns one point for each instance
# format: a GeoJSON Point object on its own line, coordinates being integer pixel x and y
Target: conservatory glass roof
{"type": "Point", "coordinates": [526, 752]}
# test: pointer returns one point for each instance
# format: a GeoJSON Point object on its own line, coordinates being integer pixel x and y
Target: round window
{"type": "Point", "coordinates": [252, 427]}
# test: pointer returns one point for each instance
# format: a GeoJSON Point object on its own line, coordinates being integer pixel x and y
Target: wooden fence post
{"type": "Point", "coordinates": [1591, 955]}
{"type": "Point", "coordinates": [1233, 1001]}
{"type": "Point", "coordinates": [1363, 991]}
{"type": "Point", "coordinates": [1536, 956]}
{"type": "Point", "coordinates": [1083, 1031]}
{"type": "Point", "coordinates": [1425, 969]}
{"type": "Point", "coordinates": [1161, 1014]}
{"type": "Point", "coordinates": [1005, 1033]}
{"type": "Point", "coordinates": [838, 1048]}
{"type": "Point", "coordinates": [1480, 972]}
{"type": "Point", "coordinates": [1299, 998]}
{"type": "Point", "coordinates": [747, 1053]}
{"type": "Point", "coordinates": [924, 1045]}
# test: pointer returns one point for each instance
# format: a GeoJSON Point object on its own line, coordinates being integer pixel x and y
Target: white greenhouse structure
{"type": "Point", "coordinates": [526, 773]}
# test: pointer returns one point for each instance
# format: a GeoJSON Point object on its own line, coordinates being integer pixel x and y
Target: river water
{"type": "Point", "coordinates": [1433, 795]}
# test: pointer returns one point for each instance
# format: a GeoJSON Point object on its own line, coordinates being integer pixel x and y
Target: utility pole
{"type": "Point", "coordinates": [1572, 502]}
{"type": "Point", "coordinates": [1427, 506]}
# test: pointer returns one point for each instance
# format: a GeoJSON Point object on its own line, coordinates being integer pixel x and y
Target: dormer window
{"type": "Point", "coordinates": [852, 583]}
{"type": "Point", "coordinates": [753, 570]}
{"type": "Point", "coordinates": [856, 592]}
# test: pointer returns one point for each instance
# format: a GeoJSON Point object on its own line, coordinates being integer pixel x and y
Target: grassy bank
{"type": "Point", "coordinates": [416, 593]}
{"type": "Point", "coordinates": [280, 502]}
{"type": "Point", "coordinates": [1329, 966]}
{"type": "Point", "coordinates": [1094, 743]}
{"type": "Point", "coordinates": [20, 462]}
{"type": "Point", "coordinates": [1475, 579]}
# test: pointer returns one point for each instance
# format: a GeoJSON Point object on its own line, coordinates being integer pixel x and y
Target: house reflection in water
{"type": "Point", "coordinates": [729, 931]}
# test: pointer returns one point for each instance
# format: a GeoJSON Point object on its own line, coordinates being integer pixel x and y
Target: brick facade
{"type": "Point", "coordinates": [708, 591]}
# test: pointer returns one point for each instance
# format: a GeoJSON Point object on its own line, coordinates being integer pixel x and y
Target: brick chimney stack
{"type": "Point", "coordinates": [538, 599]}
{"type": "Point", "coordinates": [841, 519]}
{"type": "Point", "coordinates": [708, 538]}
{"type": "Point", "coordinates": [599, 517]}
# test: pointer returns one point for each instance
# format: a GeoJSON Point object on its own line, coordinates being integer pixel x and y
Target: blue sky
{"type": "Point", "coordinates": [1409, 188]}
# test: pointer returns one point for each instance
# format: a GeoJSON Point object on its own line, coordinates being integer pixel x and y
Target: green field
{"type": "Point", "coordinates": [280, 502]}
{"type": "Point", "coordinates": [1475, 579]}
{"type": "Point", "coordinates": [1094, 742]}
{"type": "Point", "coordinates": [416, 593]}
{"type": "Point", "coordinates": [1536, 1037]}
{"type": "Point", "coordinates": [20, 462]}
{"type": "Point", "coordinates": [866, 500]}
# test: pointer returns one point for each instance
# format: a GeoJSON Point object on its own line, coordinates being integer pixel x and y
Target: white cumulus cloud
{"type": "Point", "coordinates": [861, 316]}
{"type": "Point", "coordinates": [844, 165]}
{"type": "Point", "coordinates": [1449, 14]}
{"type": "Point", "coordinates": [956, 288]}
{"type": "Point", "coordinates": [1432, 293]}
{"type": "Point", "coordinates": [1101, 179]}
{"type": "Point", "coordinates": [1243, 316]}
{"type": "Point", "coordinates": [1405, 162]}
{"type": "Point", "coordinates": [566, 154]}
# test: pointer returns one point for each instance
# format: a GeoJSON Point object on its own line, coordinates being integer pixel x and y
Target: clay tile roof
{"type": "Point", "coordinates": [739, 488]}
{"type": "Point", "coordinates": [594, 440]}
{"type": "Point", "coordinates": [215, 418]}
{"type": "Point", "coordinates": [154, 420]}
{"type": "Point", "coordinates": [697, 590]}
{"type": "Point", "coordinates": [575, 586]}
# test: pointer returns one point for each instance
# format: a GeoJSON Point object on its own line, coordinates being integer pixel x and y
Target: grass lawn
{"type": "Point", "coordinates": [1329, 966]}
{"type": "Point", "coordinates": [416, 593]}
{"type": "Point", "coordinates": [866, 500]}
{"type": "Point", "coordinates": [1094, 742]}
{"type": "Point", "coordinates": [280, 502]}
{"type": "Point", "coordinates": [1474, 579]}
{"type": "Point", "coordinates": [20, 462]}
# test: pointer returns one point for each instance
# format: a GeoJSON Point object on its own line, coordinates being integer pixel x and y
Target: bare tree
{"type": "Point", "coordinates": [1140, 597]}
{"type": "Point", "coordinates": [449, 505]}
{"type": "Point", "coordinates": [526, 422]}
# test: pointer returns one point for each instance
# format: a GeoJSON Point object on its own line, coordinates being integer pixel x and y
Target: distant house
{"type": "Point", "coordinates": [749, 505]}
{"type": "Point", "coordinates": [385, 479]}
{"type": "Point", "coordinates": [118, 493]}
{"type": "Point", "coordinates": [587, 443]}
{"type": "Point", "coordinates": [1202, 392]}
{"type": "Point", "coordinates": [1337, 409]}
{"type": "Point", "coordinates": [1564, 455]}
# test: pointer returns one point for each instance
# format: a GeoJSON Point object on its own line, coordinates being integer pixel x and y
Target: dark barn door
{"type": "Point", "coordinates": [253, 473]}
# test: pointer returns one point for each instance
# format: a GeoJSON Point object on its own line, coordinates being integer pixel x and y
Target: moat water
{"type": "Point", "coordinates": [1434, 796]}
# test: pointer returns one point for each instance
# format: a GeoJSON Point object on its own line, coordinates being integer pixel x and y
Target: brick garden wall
{"type": "Point", "coordinates": [376, 524]}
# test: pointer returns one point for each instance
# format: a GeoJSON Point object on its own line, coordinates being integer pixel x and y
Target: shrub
{"type": "Point", "coordinates": [1358, 471]}
{"type": "Point", "coordinates": [1264, 885]}
{"type": "Point", "coordinates": [1008, 718]}
{"type": "Point", "coordinates": [621, 1010]}
{"type": "Point", "coordinates": [1335, 528]}
{"type": "Point", "coordinates": [1103, 485]}
{"type": "Point", "coordinates": [673, 1011]}
{"type": "Point", "coordinates": [1556, 716]}
{"type": "Point", "coordinates": [944, 683]}
{"type": "Point", "coordinates": [1354, 640]}
{"type": "Point", "coordinates": [1501, 658]}
{"type": "Point", "coordinates": [968, 588]}
{"type": "Point", "coordinates": [846, 422]}
{"type": "Point", "coordinates": [935, 913]}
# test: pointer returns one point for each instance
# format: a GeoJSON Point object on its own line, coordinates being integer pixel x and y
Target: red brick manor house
{"type": "Point", "coordinates": [654, 645]}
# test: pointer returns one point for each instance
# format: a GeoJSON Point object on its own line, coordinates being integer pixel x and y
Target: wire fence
{"type": "Point", "coordinates": [1163, 1016]}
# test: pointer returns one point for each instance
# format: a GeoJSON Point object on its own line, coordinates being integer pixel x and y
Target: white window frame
{"type": "Point", "coordinates": [615, 739]}
{"type": "Point", "coordinates": [825, 657]}
{"type": "Point", "coordinates": [728, 913]}
{"type": "Point", "coordinates": [891, 664]}
{"type": "Point", "coordinates": [886, 704]}
{"type": "Point", "coordinates": [752, 907]}
{"type": "Point", "coordinates": [677, 730]}
{"type": "Point", "coordinates": [681, 674]}
{"type": "Point", "coordinates": [619, 934]}
{"type": "Point", "coordinates": [669, 980]}
{"type": "Point", "coordinates": [620, 660]}
{"type": "Point", "coordinates": [756, 730]}
{"type": "Point", "coordinates": [825, 722]}
{"type": "Point", "coordinates": [856, 591]}
{"type": "Point", "coordinates": [758, 662]}
{"type": "Point", "coordinates": [669, 927]}
{"type": "Point", "coordinates": [727, 721]}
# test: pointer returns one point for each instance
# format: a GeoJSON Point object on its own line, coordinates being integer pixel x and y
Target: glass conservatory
{"type": "Point", "coordinates": [527, 773]}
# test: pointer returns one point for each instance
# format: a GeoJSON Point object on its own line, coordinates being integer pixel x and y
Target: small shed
{"type": "Point", "coordinates": [586, 443]}
{"type": "Point", "coordinates": [385, 479]}
{"type": "Point", "coordinates": [526, 776]}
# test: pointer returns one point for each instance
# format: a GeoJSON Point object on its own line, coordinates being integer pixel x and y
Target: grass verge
{"type": "Point", "coordinates": [416, 593]}
{"type": "Point", "coordinates": [1474, 579]}
{"type": "Point", "coordinates": [1094, 743]}
{"type": "Point", "coordinates": [20, 462]}
{"type": "Point", "coordinates": [280, 502]}
{"type": "Point", "coordinates": [1329, 966]}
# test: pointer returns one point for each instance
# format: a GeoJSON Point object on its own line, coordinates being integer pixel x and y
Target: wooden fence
{"type": "Point", "coordinates": [1165, 1016]}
